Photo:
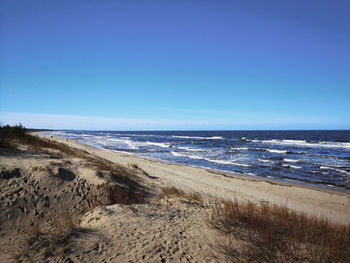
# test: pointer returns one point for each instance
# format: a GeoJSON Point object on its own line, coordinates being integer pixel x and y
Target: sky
{"type": "Point", "coordinates": [175, 65]}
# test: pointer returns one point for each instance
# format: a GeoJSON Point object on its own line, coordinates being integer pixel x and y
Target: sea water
{"type": "Point", "coordinates": [319, 158]}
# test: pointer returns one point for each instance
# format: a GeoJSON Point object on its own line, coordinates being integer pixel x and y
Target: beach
{"type": "Point", "coordinates": [332, 204]}
{"type": "Point", "coordinates": [167, 229]}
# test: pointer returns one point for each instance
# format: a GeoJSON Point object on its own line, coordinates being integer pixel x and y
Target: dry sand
{"type": "Point", "coordinates": [39, 187]}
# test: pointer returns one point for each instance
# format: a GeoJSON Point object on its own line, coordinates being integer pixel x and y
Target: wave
{"type": "Point", "coordinates": [250, 174]}
{"type": "Point", "coordinates": [276, 151]}
{"type": "Point", "coordinates": [134, 144]}
{"type": "Point", "coordinates": [198, 138]}
{"type": "Point", "coordinates": [186, 155]}
{"type": "Point", "coordinates": [291, 166]}
{"type": "Point", "coordinates": [309, 144]}
{"type": "Point", "coordinates": [264, 161]}
{"type": "Point", "coordinates": [241, 148]}
{"type": "Point", "coordinates": [334, 169]}
{"type": "Point", "coordinates": [209, 160]}
{"type": "Point", "coordinates": [227, 162]}
{"type": "Point", "coordinates": [190, 149]}
{"type": "Point", "coordinates": [290, 160]}
{"type": "Point", "coordinates": [159, 144]}
{"type": "Point", "coordinates": [115, 140]}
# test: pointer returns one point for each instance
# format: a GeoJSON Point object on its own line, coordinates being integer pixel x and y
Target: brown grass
{"type": "Point", "coordinates": [267, 233]}
{"type": "Point", "coordinates": [173, 191]}
{"type": "Point", "coordinates": [42, 242]}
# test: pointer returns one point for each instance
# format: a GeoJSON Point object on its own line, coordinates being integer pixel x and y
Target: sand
{"type": "Point", "coordinates": [39, 187]}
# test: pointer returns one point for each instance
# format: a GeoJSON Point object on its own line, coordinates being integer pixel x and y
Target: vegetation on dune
{"type": "Point", "coordinates": [266, 233]}
{"type": "Point", "coordinates": [122, 188]}
{"type": "Point", "coordinates": [10, 133]}
{"type": "Point", "coordinates": [173, 191]}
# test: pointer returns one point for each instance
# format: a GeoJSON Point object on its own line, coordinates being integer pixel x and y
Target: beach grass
{"type": "Point", "coordinates": [270, 233]}
{"type": "Point", "coordinates": [173, 191]}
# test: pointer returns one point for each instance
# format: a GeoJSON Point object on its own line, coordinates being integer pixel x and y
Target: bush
{"type": "Point", "coordinates": [266, 233]}
{"type": "Point", "coordinates": [10, 133]}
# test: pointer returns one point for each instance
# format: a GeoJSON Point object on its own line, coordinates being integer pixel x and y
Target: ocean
{"type": "Point", "coordinates": [318, 158]}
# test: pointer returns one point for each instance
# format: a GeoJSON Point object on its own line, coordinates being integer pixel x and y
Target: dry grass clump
{"type": "Point", "coordinates": [53, 239]}
{"type": "Point", "coordinates": [173, 191]}
{"type": "Point", "coordinates": [110, 194]}
{"type": "Point", "coordinates": [269, 233]}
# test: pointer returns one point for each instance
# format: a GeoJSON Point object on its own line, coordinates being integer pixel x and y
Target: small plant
{"type": "Point", "coordinates": [173, 191]}
{"type": "Point", "coordinates": [51, 241]}
{"type": "Point", "coordinates": [266, 233]}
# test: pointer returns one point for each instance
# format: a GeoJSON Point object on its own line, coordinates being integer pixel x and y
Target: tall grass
{"type": "Point", "coordinates": [269, 233]}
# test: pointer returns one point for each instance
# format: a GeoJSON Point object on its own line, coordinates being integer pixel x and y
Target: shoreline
{"type": "Point", "coordinates": [324, 202]}
{"type": "Point", "coordinates": [305, 183]}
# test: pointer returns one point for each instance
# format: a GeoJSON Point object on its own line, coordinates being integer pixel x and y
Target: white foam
{"type": "Point", "coordinates": [291, 160]}
{"type": "Point", "coordinates": [334, 169]}
{"type": "Point", "coordinates": [309, 144]}
{"type": "Point", "coordinates": [198, 138]}
{"type": "Point", "coordinates": [186, 155]}
{"type": "Point", "coordinates": [291, 166]}
{"type": "Point", "coordinates": [275, 151]}
{"type": "Point", "coordinates": [190, 149]}
{"type": "Point", "coordinates": [209, 160]}
{"type": "Point", "coordinates": [251, 174]}
{"type": "Point", "coordinates": [159, 144]}
{"type": "Point", "coordinates": [135, 144]}
{"type": "Point", "coordinates": [241, 148]}
{"type": "Point", "coordinates": [115, 140]}
{"type": "Point", "coordinates": [264, 161]}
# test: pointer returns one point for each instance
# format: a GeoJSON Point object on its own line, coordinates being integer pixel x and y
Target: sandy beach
{"type": "Point", "coordinates": [332, 204]}
{"type": "Point", "coordinates": [36, 186]}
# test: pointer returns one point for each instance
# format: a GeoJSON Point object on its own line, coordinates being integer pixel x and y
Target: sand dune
{"type": "Point", "coordinates": [64, 200]}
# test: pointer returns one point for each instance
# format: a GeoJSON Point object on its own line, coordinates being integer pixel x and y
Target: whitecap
{"type": "Point", "coordinates": [241, 148]}
{"type": "Point", "coordinates": [159, 144]}
{"type": "Point", "coordinates": [291, 166]}
{"type": "Point", "coordinates": [275, 151]}
{"type": "Point", "coordinates": [264, 161]}
{"type": "Point", "coordinates": [291, 160]}
{"type": "Point", "coordinates": [190, 149]}
{"type": "Point", "coordinates": [309, 144]}
{"type": "Point", "coordinates": [209, 160]}
{"type": "Point", "coordinates": [198, 138]}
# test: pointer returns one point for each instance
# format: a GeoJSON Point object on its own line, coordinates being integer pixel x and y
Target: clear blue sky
{"type": "Point", "coordinates": [187, 64]}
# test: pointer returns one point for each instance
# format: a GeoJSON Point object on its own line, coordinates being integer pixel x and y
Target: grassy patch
{"type": "Point", "coordinates": [266, 233]}
{"type": "Point", "coordinates": [52, 240]}
{"type": "Point", "coordinates": [173, 191]}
